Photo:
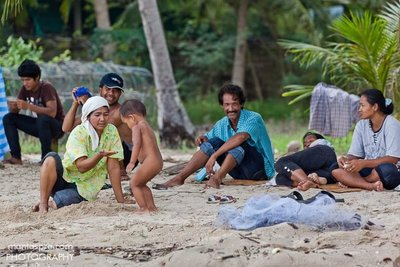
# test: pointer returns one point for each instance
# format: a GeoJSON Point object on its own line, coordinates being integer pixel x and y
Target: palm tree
{"type": "Point", "coordinates": [173, 122]}
{"type": "Point", "coordinates": [368, 56]}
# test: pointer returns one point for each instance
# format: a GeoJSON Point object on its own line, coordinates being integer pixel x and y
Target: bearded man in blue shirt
{"type": "Point", "coordinates": [238, 142]}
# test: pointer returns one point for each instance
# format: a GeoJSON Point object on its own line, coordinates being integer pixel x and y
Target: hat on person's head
{"type": "Point", "coordinates": [112, 80]}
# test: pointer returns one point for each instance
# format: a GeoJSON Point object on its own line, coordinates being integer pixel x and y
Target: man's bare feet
{"type": "Point", "coordinates": [214, 182]}
{"type": "Point", "coordinates": [307, 184]}
{"type": "Point", "coordinates": [317, 179]}
{"type": "Point", "coordinates": [173, 182]}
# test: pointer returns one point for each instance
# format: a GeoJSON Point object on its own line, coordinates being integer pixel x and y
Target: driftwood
{"type": "Point", "coordinates": [174, 169]}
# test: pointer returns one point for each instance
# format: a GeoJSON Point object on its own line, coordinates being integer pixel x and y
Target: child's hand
{"type": "Point", "coordinates": [130, 167]}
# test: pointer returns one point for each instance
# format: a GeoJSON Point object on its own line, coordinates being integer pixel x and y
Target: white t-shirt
{"type": "Point", "coordinates": [369, 145]}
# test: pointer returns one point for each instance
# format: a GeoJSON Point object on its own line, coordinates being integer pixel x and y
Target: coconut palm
{"type": "Point", "coordinates": [368, 56]}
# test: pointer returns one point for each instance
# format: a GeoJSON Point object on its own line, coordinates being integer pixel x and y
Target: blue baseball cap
{"type": "Point", "coordinates": [112, 80]}
{"type": "Point", "coordinates": [81, 91]}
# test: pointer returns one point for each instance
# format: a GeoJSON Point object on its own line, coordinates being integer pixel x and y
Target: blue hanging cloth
{"type": "Point", "coordinates": [4, 148]}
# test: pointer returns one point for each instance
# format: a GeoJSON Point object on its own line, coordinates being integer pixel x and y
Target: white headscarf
{"type": "Point", "coordinates": [91, 105]}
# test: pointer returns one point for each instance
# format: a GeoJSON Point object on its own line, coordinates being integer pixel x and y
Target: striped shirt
{"type": "Point", "coordinates": [252, 123]}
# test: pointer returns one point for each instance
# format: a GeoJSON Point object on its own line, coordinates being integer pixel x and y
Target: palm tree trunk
{"type": "Point", "coordinates": [173, 122]}
{"type": "Point", "coordinates": [103, 23]}
{"type": "Point", "coordinates": [77, 17]}
{"type": "Point", "coordinates": [239, 65]}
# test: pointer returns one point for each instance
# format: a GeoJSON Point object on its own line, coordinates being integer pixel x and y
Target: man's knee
{"type": "Point", "coordinates": [207, 148]}
{"type": "Point", "coordinates": [237, 153]}
{"type": "Point", "coordinates": [43, 121]}
{"type": "Point", "coordinates": [8, 118]}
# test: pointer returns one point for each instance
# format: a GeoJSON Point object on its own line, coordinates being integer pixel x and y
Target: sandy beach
{"type": "Point", "coordinates": [183, 231]}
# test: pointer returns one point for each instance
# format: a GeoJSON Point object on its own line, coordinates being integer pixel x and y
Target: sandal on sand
{"type": "Point", "coordinates": [13, 161]}
{"type": "Point", "coordinates": [227, 199]}
{"type": "Point", "coordinates": [159, 187]}
{"type": "Point", "coordinates": [215, 199]}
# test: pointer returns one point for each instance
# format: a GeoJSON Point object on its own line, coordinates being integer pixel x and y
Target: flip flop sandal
{"type": "Point", "coordinates": [159, 187]}
{"type": "Point", "coordinates": [214, 199]}
{"type": "Point", "coordinates": [295, 195]}
{"type": "Point", "coordinates": [227, 199]}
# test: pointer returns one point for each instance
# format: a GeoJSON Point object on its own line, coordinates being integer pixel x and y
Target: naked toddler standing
{"type": "Point", "coordinates": [145, 149]}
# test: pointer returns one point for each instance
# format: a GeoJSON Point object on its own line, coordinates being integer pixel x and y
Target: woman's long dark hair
{"type": "Point", "coordinates": [374, 96]}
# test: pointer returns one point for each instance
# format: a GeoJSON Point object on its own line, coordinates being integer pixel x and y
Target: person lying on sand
{"type": "Point", "coordinates": [307, 168]}
{"type": "Point", "coordinates": [93, 149]}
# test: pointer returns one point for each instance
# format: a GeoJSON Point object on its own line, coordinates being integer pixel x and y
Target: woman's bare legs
{"type": "Point", "coordinates": [48, 178]}
{"type": "Point", "coordinates": [352, 179]}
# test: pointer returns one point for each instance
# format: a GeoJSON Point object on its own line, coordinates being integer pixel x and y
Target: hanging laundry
{"type": "Point", "coordinates": [332, 110]}
{"type": "Point", "coordinates": [3, 111]}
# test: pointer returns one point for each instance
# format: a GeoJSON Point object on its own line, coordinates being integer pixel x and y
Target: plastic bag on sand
{"type": "Point", "coordinates": [267, 210]}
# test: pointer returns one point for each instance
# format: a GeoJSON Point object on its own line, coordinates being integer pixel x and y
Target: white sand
{"type": "Point", "coordinates": [105, 233]}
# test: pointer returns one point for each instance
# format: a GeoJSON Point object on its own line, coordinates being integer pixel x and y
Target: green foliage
{"type": "Point", "coordinates": [206, 110]}
{"type": "Point", "coordinates": [14, 6]}
{"type": "Point", "coordinates": [131, 47]}
{"type": "Point", "coordinates": [19, 50]}
{"type": "Point", "coordinates": [367, 56]}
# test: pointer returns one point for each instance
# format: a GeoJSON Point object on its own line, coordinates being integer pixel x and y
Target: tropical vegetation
{"type": "Point", "coordinates": [366, 54]}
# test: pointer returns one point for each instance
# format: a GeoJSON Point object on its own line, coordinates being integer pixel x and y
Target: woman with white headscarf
{"type": "Point", "coordinates": [93, 149]}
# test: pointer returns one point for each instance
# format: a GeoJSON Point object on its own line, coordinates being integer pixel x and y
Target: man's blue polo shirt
{"type": "Point", "coordinates": [252, 123]}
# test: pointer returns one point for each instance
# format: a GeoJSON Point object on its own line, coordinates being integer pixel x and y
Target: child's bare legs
{"type": "Point", "coordinates": [48, 177]}
{"type": "Point", "coordinates": [352, 179]}
{"type": "Point", "coordinates": [142, 193]}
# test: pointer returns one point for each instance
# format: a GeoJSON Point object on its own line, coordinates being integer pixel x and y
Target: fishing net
{"type": "Point", "coordinates": [267, 210]}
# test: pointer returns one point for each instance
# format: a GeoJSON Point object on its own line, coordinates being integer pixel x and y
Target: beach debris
{"type": "Point", "coordinates": [250, 238]}
{"type": "Point", "coordinates": [230, 256]}
{"type": "Point", "coordinates": [276, 250]}
{"type": "Point", "coordinates": [174, 169]}
{"type": "Point", "coordinates": [348, 255]}
{"type": "Point", "coordinates": [306, 240]}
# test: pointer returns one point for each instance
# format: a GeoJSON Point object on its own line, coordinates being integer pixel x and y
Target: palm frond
{"type": "Point", "coordinates": [13, 6]}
